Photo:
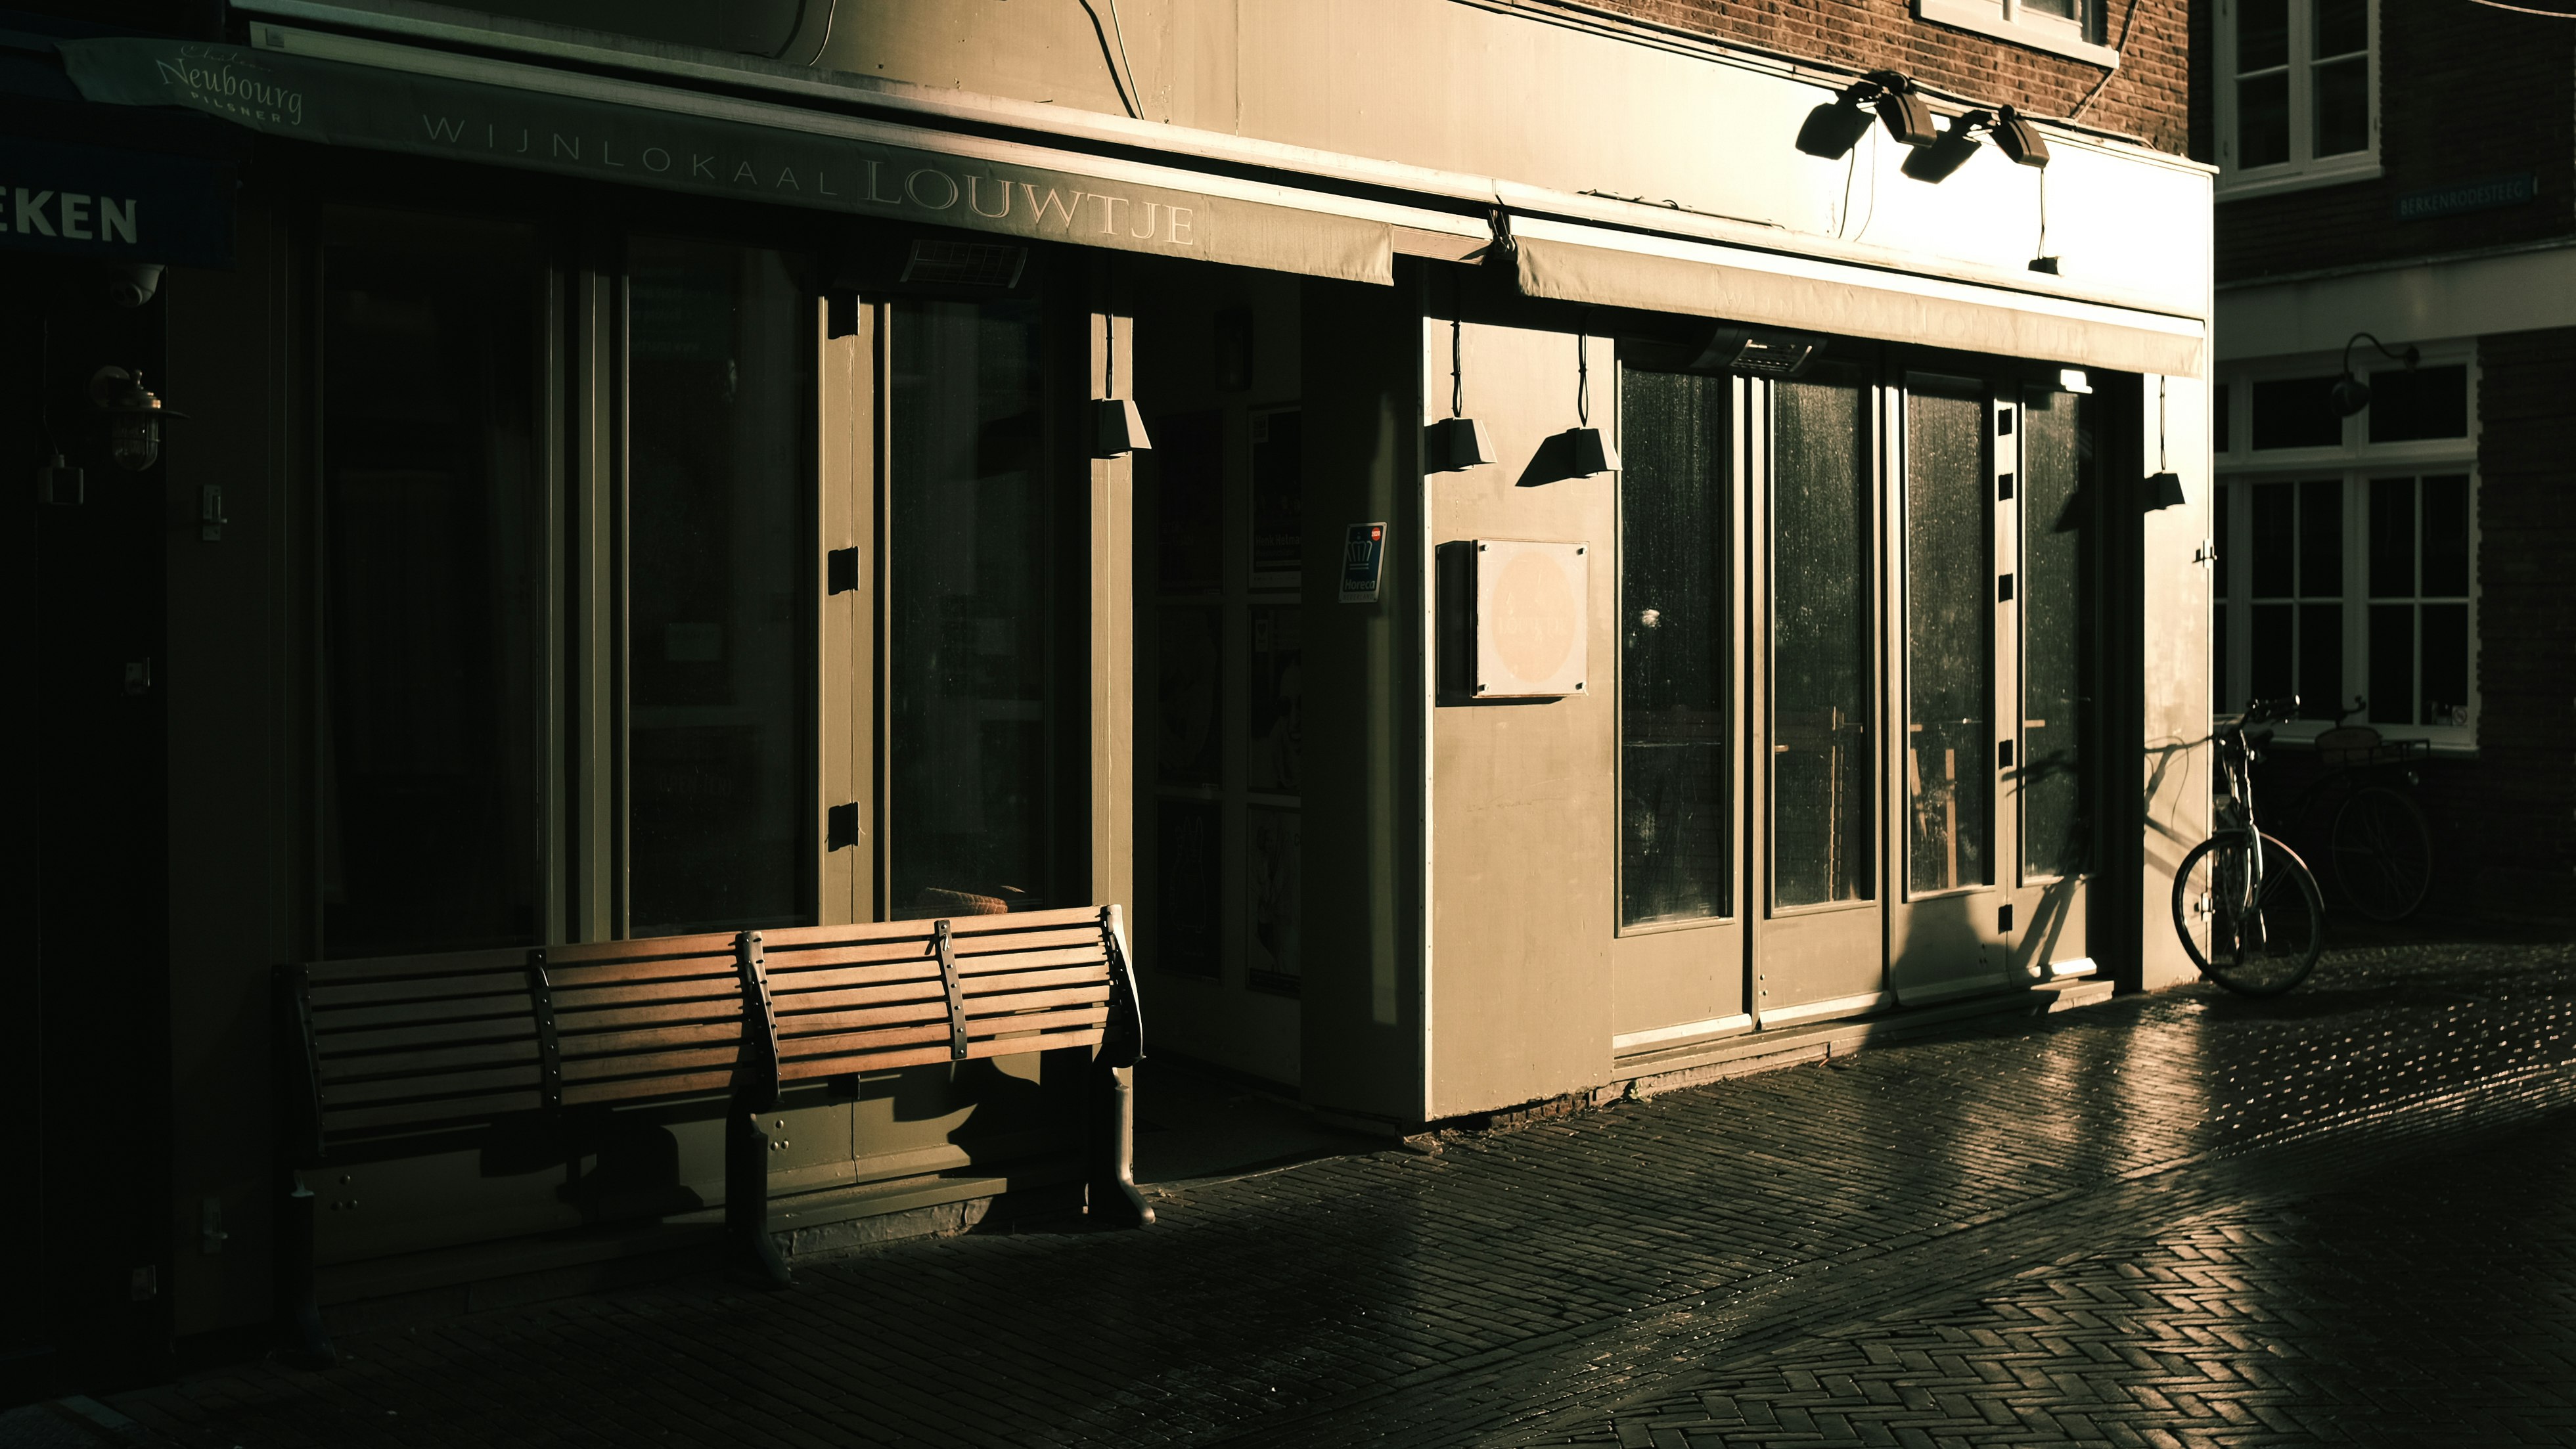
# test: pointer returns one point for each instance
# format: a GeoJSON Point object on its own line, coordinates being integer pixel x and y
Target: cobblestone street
{"type": "Point", "coordinates": [2348, 1216]}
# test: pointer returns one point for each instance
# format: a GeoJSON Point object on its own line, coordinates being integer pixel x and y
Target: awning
{"type": "Point", "coordinates": [1664, 274]}
{"type": "Point", "coordinates": [431, 103]}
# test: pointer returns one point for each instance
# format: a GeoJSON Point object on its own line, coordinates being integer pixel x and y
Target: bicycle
{"type": "Point", "coordinates": [2380, 845]}
{"type": "Point", "coordinates": [2265, 915]}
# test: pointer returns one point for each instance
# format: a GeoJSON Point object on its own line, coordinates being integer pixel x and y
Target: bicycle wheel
{"type": "Point", "coordinates": [2383, 852]}
{"type": "Point", "coordinates": [2264, 933]}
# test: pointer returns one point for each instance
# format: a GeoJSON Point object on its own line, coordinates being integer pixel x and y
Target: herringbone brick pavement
{"type": "Point", "coordinates": [2434, 1303]}
{"type": "Point", "coordinates": [1507, 1279]}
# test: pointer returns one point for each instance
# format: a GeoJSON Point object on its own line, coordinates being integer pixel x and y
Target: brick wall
{"type": "Point", "coordinates": [2147, 97]}
{"type": "Point", "coordinates": [2466, 92]}
{"type": "Point", "coordinates": [2523, 794]}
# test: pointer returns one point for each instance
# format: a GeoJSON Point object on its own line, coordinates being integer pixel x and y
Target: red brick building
{"type": "Point", "coordinates": [2405, 175]}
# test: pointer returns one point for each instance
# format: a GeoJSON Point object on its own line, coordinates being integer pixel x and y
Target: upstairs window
{"type": "Point", "coordinates": [2297, 93]}
{"type": "Point", "coordinates": [2065, 27]}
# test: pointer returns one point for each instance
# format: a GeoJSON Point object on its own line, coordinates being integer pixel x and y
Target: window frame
{"type": "Point", "coordinates": [2353, 463]}
{"type": "Point", "coordinates": [2304, 169]}
{"type": "Point", "coordinates": [2081, 38]}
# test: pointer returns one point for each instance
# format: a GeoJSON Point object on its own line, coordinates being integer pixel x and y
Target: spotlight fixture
{"type": "Point", "coordinates": [2014, 136]}
{"type": "Point", "coordinates": [2351, 394]}
{"type": "Point", "coordinates": [1832, 129]}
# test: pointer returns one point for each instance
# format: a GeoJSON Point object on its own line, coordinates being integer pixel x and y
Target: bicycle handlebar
{"type": "Point", "coordinates": [2260, 712]}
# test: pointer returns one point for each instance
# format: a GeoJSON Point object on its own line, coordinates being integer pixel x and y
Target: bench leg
{"type": "Point", "coordinates": [1115, 1202]}
{"type": "Point", "coordinates": [747, 1200]}
{"type": "Point", "coordinates": [299, 1308]}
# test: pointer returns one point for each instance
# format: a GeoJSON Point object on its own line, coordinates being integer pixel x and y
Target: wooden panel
{"type": "Point", "coordinates": [726, 1011]}
{"type": "Point", "coordinates": [973, 966]}
{"type": "Point", "coordinates": [417, 1115]}
{"type": "Point", "coordinates": [344, 1066]}
{"type": "Point", "coordinates": [815, 1022]}
{"type": "Point", "coordinates": [418, 988]}
{"type": "Point", "coordinates": [647, 1064]}
{"type": "Point", "coordinates": [452, 963]}
{"type": "Point", "coordinates": [1019, 1001]}
{"type": "Point", "coordinates": [695, 1084]}
{"type": "Point", "coordinates": [421, 1086]}
{"type": "Point", "coordinates": [356, 1019]}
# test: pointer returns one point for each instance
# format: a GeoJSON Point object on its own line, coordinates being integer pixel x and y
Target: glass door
{"type": "Point", "coordinates": [1817, 949]}
{"type": "Point", "coordinates": [2051, 790]}
{"type": "Point", "coordinates": [1957, 448]}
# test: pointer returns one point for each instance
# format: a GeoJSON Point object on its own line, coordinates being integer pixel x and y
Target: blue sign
{"type": "Point", "coordinates": [2485, 194]}
{"type": "Point", "coordinates": [117, 205]}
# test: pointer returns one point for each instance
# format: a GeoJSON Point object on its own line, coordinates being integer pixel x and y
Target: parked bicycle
{"type": "Point", "coordinates": [2380, 845]}
{"type": "Point", "coordinates": [2254, 897]}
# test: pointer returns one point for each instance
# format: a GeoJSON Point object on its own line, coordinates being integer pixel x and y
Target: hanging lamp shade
{"type": "Point", "coordinates": [1453, 445]}
{"type": "Point", "coordinates": [1117, 428]}
{"type": "Point", "coordinates": [1588, 451]}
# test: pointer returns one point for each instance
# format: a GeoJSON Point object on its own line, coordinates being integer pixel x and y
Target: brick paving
{"type": "Point", "coordinates": [1794, 1244]}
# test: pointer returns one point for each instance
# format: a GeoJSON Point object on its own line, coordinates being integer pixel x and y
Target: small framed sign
{"type": "Point", "coordinates": [1363, 562]}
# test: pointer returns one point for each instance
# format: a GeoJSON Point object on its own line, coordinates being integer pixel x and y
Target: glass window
{"type": "Point", "coordinates": [2419, 609]}
{"type": "Point", "coordinates": [976, 726]}
{"type": "Point", "coordinates": [720, 654]}
{"type": "Point", "coordinates": [1676, 860]}
{"type": "Point", "coordinates": [1824, 799]}
{"type": "Point", "coordinates": [2296, 412]}
{"type": "Point", "coordinates": [1949, 638]}
{"type": "Point", "coordinates": [433, 548]}
{"type": "Point", "coordinates": [2060, 497]}
{"type": "Point", "coordinates": [2428, 402]}
{"type": "Point", "coordinates": [2297, 98]}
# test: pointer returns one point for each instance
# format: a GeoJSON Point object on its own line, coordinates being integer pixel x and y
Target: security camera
{"type": "Point", "coordinates": [132, 284]}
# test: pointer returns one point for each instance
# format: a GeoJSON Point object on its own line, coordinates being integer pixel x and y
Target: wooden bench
{"type": "Point", "coordinates": [383, 1055]}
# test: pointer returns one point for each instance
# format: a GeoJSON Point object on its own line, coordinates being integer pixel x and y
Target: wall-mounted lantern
{"type": "Point", "coordinates": [132, 415]}
{"type": "Point", "coordinates": [2351, 394]}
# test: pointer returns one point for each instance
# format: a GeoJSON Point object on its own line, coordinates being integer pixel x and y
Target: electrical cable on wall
{"type": "Point", "coordinates": [1121, 84]}
{"type": "Point", "coordinates": [2110, 71]}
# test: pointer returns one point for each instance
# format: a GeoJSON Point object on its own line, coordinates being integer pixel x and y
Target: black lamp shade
{"type": "Point", "coordinates": [2164, 490]}
{"type": "Point", "coordinates": [1117, 428]}
{"type": "Point", "coordinates": [2351, 395]}
{"type": "Point", "coordinates": [1833, 128]}
{"type": "Point", "coordinates": [1908, 117]}
{"type": "Point", "coordinates": [2020, 140]}
{"type": "Point", "coordinates": [1937, 161]}
{"type": "Point", "coordinates": [1453, 445]}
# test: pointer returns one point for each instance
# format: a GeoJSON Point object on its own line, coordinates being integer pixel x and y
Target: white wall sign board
{"type": "Point", "coordinates": [1530, 619]}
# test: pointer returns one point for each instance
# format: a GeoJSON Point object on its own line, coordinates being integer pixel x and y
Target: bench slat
{"type": "Point", "coordinates": [784, 960]}
{"type": "Point", "coordinates": [970, 967]}
{"type": "Point", "coordinates": [327, 997]}
{"type": "Point", "coordinates": [623, 973]}
{"type": "Point", "coordinates": [341, 1067]}
{"type": "Point", "coordinates": [725, 1010]}
{"type": "Point", "coordinates": [460, 1013]}
{"type": "Point", "coordinates": [411, 1086]}
{"type": "Point", "coordinates": [850, 997]}
{"type": "Point", "coordinates": [695, 1084]}
{"type": "Point", "coordinates": [408, 1117]}
{"type": "Point", "coordinates": [839, 1066]}
{"type": "Point", "coordinates": [670, 1061]}
{"type": "Point", "coordinates": [996, 1008]}
{"type": "Point", "coordinates": [860, 1043]}
{"type": "Point", "coordinates": [444, 963]}
{"type": "Point", "coordinates": [646, 950]}
{"type": "Point", "coordinates": [592, 1045]}
{"type": "Point", "coordinates": [578, 998]}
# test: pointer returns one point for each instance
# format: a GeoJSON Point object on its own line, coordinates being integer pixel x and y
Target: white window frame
{"type": "Point", "coordinates": [2355, 461]}
{"type": "Point", "coordinates": [2304, 169]}
{"type": "Point", "coordinates": [2016, 21]}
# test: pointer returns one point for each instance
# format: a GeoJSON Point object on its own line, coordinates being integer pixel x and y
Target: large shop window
{"type": "Point", "coordinates": [976, 718]}
{"type": "Point", "coordinates": [2060, 632]}
{"type": "Point", "coordinates": [2347, 555]}
{"type": "Point", "coordinates": [2295, 93]}
{"type": "Point", "coordinates": [431, 521]}
{"type": "Point", "coordinates": [1824, 771]}
{"type": "Point", "coordinates": [1949, 638]}
{"type": "Point", "coordinates": [719, 501]}
{"type": "Point", "coordinates": [1676, 818]}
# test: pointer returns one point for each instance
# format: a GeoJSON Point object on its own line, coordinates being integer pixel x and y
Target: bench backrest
{"type": "Point", "coordinates": [404, 1046]}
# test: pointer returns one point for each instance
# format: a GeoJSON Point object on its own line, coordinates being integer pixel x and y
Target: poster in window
{"type": "Point", "coordinates": [1274, 888]}
{"type": "Point", "coordinates": [1274, 714]}
{"type": "Point", "coordinates": [1278, 527]}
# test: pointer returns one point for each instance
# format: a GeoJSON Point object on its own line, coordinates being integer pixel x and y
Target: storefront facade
{"type": "Point", "coordinates": [640, 484]}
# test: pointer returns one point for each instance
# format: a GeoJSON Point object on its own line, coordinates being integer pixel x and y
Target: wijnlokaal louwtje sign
{"type": "Point", "coordinates": [783, 155]}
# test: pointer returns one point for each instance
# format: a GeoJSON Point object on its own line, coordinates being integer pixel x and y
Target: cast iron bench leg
{"type": "Point", "coordinates": [308, 1343]}
{"type": "Point", "coordinates": [747, 1200]}
{"type": "Point", "coordinates": [1114, 1199]}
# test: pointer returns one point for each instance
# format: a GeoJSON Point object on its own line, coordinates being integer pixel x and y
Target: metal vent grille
{"type": "Point", "coordinates": [965, 264]}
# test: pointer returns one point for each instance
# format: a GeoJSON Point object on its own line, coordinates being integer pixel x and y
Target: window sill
{"type": "Point", "coordinates": [2274, 180]}
{"type": "Point", "coordinates": [1986, 17]}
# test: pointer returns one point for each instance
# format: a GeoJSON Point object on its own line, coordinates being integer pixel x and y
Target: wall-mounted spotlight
{"type": "Point", "coordinates": [2351, 394]}
{"type": "Point", "coordinates": [1832, 129]}
{"type": "Point", "coordinates": [1117, 429]}
{"type": "Point", "coordinates": [1757, 353]}
{"type": "Point", "coordinates": [2015, 137]}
